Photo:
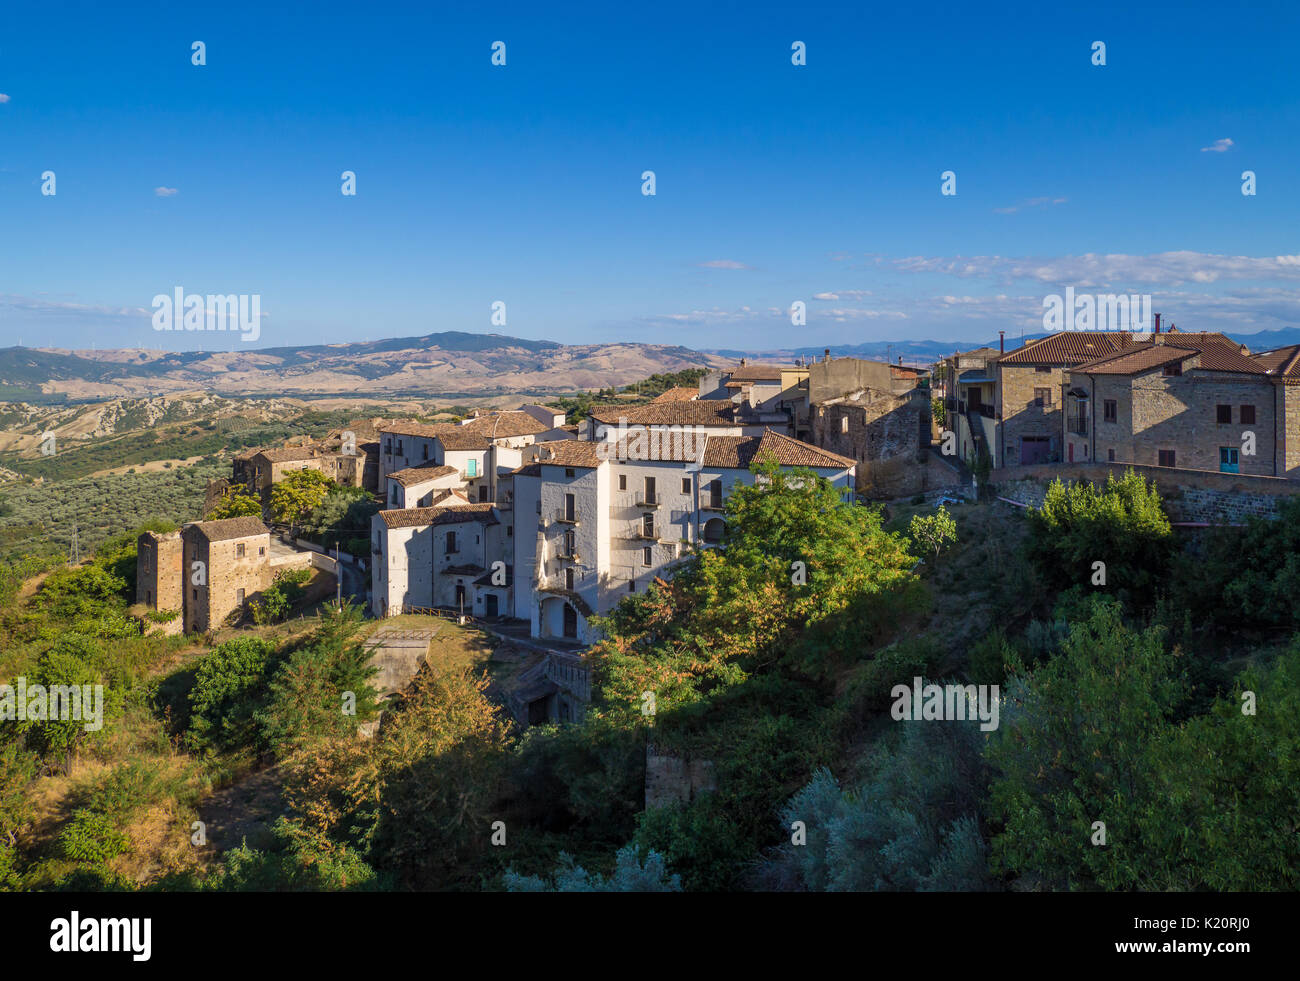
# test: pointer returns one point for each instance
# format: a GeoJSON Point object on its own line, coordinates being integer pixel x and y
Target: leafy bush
{"type": "Point", "coordinates": [229, 688]}
{"type": "Point", "coordinates": [631, 874]}
{"type": "Point", "coordinates": [92, 837]}
{"type": "Point", "coordinates": [1122, 525]}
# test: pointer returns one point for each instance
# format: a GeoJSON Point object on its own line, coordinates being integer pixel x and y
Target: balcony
{"type": "Point", "coordinates": [567, 555]}
{"type": "Point", "coordinates": [647, 501]}
{"type": "Point", "coordinates": [642, 534]}
{"type": "Point", "coordinates": [714, 505]}
{"type": "Point", "coordinates": [561, 517]}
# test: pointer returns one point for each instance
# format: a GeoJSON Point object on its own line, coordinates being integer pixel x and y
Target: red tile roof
{"type": "Point", "coordinates": [1283, 362]}
{"type": "Point", "coordinates": [738, 452]}
{"type": "Point", "coordinates": [699, 412]}
{"type": "Point", "coordinates": [1139, 357]}
{"type": "Point", "coordinates": [1069, 347]}
{"type": "Point", "coordinates": [225, 529]}
{"type": "Point", "coordinates": [418, 475]}
{"type": "Point", "coordinates": [681, 393]}
{"type": "Point", "coordinates": [454, 514]}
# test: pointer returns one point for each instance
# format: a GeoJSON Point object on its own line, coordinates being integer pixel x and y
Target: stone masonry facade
{"type": "Point", "coordinates": [1022, 417]}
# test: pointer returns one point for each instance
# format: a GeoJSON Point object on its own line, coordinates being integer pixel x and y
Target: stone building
{"type": "Point", "coordinates": [883, 432]}
{"type": "Point", "coordinates": [265, 468]}
{"type": "Point", "coordinates": [1027, 412]}
{"type": "Point", "coordinates": [158, 571]}
{"type": "Point", "coordinates": [210, 569]}
{"type": "Point", "coordinates": [1174, 402]}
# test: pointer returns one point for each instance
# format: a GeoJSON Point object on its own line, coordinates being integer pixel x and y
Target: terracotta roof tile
{"type": "Point", "coordinates": [418, 475]}
{"type": "Point", "coordinates": [1069, 347]}
{"type": "Point", "coordinates": [505, 425]}
{"type": "Point", "coordinates": [698, 412]}
{"type": "Point", "coordinates": [225, 529]}
{"type": "Point", "coordinates": [736, 452]}
{"type": "Point", "coordinates": [680, 393]}
{"type": "Point", "coordinates": [456, 514]}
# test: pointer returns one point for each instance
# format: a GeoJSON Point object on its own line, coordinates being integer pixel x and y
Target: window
{"type": "Point", "coordinates": [1042, 396]}
{"type": "Point", "coordinates": [261, 550]}
{"type": "Point", "coordinates": [471, 468]}
{"type": "Point", "coordinates": [631, 585]}
{"type": "Point", "coordinates": [1223, 415]}
{"type": "Point", "coordinates": [1110, 455]}
{"type": "Point", "coordinates": [239, 550]}
{"type": "Point", "coordinates": [648, 525]}
{"type": "Point", "coordinates": [622, 481]}
{"type": "Point", "coordinates": [568, 507]}
{"type": "Point", "coordinates": [450, 547]}
{"type": "Point", "coordinates": [568, 579]}
{"type": "Point", "coordinates": [510, 531]}
{"type": "Point", "coordinates": [570, 543]}
{"type": "Point", "coordinates": [649, 490]}
{"type": "Point", "coordinates": [400, 452]}
{"type": "Point", "coordinates": [844, 424]}
{"type": "Point", "coordinates": [1173, 370]}
{"type": "Point", "coordinates": [1042, 368]}
{"type": "Point", "coordinates": [425, 449]}
{"type": "Point", "coordinates": [715, 493]}
{"type": "Point", "coordinates": [194, 594]}
{"type": "Point", "coordinates": [647, 555]}
{"type": "Point", "coordinates": [1229, 459]}
{"type": "Point", "coordinates": [148, 597]}
{"type": "Point", "coordinates": [1109, 410]}
{"type": "Point", "coordinates": [568, 471]}
{"type": "Point", "coordinates": [239, 597]}
{"type": "Point", "coordinates": [686, 485]}
{"type": "Point", "coordinates": [1248, 415]}
{"type": "Point", "coordinates": [1166, 458]}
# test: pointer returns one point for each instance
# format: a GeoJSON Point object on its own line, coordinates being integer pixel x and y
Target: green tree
{"type": "Point", "coordinates": [1122, 525]}
{"type": "Point", "coordinates": [229, 689]}
{"type": "Point", "coordinates": [307, 691]}
{"type": "Point", "coordinates": [803, 578]}
{"type": "Point", "coordinates": [933, 531]}
{"type": "Point", "coordinates": [631, 874]}
{"type": "Point", "coordinates": [1071, 750]}
{"type": "Point", "coordinates": [298, 494]}
{"type": "Point", "coordinates": [237, 504]}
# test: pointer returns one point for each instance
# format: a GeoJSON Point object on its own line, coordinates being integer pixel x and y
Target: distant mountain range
{"type": "Point", "coordinates": [450, 363]}
{"type": "Point", "coordinates": [447, 364]}
{"type": "Point", "coordinates": [926, 352]}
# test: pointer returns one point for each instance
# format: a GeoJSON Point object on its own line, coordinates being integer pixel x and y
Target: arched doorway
{"type": "Point", "coordinates": [713, 529]}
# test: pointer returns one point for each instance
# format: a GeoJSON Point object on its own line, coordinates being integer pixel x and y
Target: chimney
{"type": "Point", "coordinates": [1002, 342]}
{"type": "Point", "coordinates": [1157, 323]}
{"type": "Point", "coordinates": [828, 354]}
{"type": "Point", "coordinates": [742, 362]}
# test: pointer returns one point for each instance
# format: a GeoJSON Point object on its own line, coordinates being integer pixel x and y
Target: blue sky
{"type": "Point", "coordinates": [775, 183]}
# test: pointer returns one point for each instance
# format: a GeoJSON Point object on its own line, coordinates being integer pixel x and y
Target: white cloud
{"type": "Point", "coordinates": [3, 98]}
{"type": "Point", "coordinates": [1031, 203]}
{"type": "Point", "coordinates": [723, 264]}
{"type": "Point", "coordinates": [165, 192]}
{"type": "Point", "coordinates": [1091, 269]}
{"type": "Point", "coordinates": [1218, 146]}
{"type": "Point", "coordinates": [842, 295]}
